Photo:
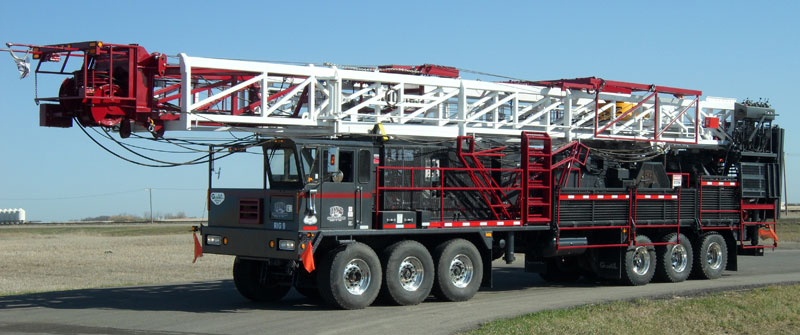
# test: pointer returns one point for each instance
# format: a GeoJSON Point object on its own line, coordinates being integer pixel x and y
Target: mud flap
{"type": "Point", "coordinates": [486, 255]}
{"type": "Point", "coordinates": [733, 247]}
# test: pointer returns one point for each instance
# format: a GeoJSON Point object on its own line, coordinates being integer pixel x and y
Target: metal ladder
{"type": "Point", "coordinates": [537, 160]}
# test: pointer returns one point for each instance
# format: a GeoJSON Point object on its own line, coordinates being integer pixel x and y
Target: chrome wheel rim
{"type": "Point", "coordinates": [679, 257]}
{"type": "Point", "coordinates": [356, 276]}
{"type": "Point", "coordinates": [641, 260]}
{"type": "Point", "coordinates": [411, 273]}
{"type": "Point", "coordinates": [461, 271]}
{"type": "Point", "coordinates": [714, 255]}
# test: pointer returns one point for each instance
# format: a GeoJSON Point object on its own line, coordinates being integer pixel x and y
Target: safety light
{"type": "Point", "coordinates": [225, 240]}
{"type": "Point", "coordinates": [286, 245]}
{"type": "Point", "coordinates": [271, 244]}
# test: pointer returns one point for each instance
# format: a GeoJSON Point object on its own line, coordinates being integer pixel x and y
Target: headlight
{"type": "Point", "coordinates": [285, 244]}
{"type": "Point", "coordinates": [213, 240]}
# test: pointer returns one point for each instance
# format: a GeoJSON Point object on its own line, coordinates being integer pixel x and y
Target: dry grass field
{"type": "Point", "coordinates": [64, 258]}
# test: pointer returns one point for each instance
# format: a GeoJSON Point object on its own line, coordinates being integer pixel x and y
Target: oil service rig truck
{"type": "Point", "coordinates": [407, 181]}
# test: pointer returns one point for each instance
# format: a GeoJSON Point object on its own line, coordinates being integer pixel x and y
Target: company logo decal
{"type": "Point", "coordinates": [217, 197]}
{"type": "Point", "coordinates": [336, 214]}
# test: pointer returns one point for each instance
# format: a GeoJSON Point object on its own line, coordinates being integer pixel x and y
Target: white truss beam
{"type": "Point", "coordinates": [330, 101]}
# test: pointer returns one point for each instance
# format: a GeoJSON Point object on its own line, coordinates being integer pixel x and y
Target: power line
{"type": "Point", "coordinates": [101, 194]}
{"type": "Point", "coordinates": [74, 197]}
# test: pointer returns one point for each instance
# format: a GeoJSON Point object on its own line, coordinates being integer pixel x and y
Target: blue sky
{"type": "Point", "coordinates": [724, 48]}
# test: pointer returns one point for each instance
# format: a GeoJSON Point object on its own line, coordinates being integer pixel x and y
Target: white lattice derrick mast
{"type": "Point", "coordinates": [291, 100]}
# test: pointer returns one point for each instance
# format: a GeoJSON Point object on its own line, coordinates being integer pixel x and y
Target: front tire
{"type": "Point", "coordinates": [711, 257]}
{"type": "Point", "coordinates": [459, 270]}
{"type": "Point", "coordinates": [674, 261]}
{"type": "Point", "coordinates": [256, 281]}
{"type": "Point", "coordinates": [350, 276]}
{"type": "Point", "coordinates": [306, 284]}
{"type": "Point", "coordinates": [640, 262]}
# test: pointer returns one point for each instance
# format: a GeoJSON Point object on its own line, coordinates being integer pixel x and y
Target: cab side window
{"type": "Point", "coordinates": [346, 165]}
{"type": "Point", "coordinates": [364, 166]}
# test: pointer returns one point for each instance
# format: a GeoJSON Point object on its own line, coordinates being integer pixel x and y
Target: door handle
{"type": "Point", "coordinates": [358, 206]}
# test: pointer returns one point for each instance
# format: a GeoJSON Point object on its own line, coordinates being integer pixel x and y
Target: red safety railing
{"type": "Point", "coordinates": [442, 172]}
{"type": "Point", "coordinates": [714, 183]}
{"type": "Point", "coordinates": [773, 226]}
{"type": "Point", "coordinates": [604, 197]}
{"type": "Point", "coordinates": [656, 197]}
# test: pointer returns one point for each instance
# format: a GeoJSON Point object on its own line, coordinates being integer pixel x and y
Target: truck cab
{"type": "Point", "coordinates": [308, 186]}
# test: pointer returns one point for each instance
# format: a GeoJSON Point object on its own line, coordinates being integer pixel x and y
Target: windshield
{"type": "Point", "coordinates": [282, 165]}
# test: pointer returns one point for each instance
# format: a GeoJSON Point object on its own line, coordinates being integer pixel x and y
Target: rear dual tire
{"type": "Point", "coordinates": [675, 260]}
{"type": "Point", "coordinates": [459, 270]}
{"type": "Point", "coordinates": [711, 257]}
{"type": "Point", "coordinates": [639, 263]}
{"type": "Point", "coordinates": [408, 272]}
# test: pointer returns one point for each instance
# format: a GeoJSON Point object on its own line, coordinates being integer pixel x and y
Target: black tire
{"type": "Point", "coordinates": [639, 264]}
{"type": "Point", "coordinates": [306, 284]}
{"type": "Point", "coordinates": [711, 256]}
{"type": "Point", "coordinates": [408, 273]}
{"type": "Point", "coordinates": [459, 270]}
{"type": "Point", "coordinates": [350, 276]}
{"type": "Point", "coordinates": [560, 270]}
{"type": "Point", "coordinates": [674, 261]}
{"type": "Point", "coordinates": [255, 281]}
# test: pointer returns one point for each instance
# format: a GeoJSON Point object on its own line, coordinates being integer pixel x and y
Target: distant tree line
{"type": "Point", "coordinates": [124, 217]}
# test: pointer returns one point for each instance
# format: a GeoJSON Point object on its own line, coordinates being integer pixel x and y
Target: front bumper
{"type": "Point", "coordinates": [250, 242]}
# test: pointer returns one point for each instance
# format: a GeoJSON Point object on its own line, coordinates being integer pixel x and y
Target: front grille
{"type": "Point", "coordinates": [250, 211]}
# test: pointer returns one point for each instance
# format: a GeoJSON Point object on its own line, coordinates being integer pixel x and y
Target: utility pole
{"type": "Point", "coordinates": [150, 190]}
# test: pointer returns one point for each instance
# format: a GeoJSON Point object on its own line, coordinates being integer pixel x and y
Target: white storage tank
{"type": "Point", "coordinates": [12, 216]}
{"type": "Point", "coordinates": [21, 216]}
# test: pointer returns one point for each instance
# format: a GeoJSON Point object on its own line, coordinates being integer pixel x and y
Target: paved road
{"type": "Point", "coordinates": [215, 307]}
